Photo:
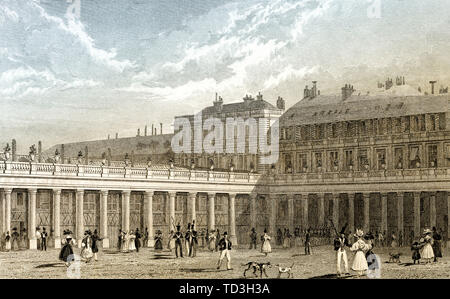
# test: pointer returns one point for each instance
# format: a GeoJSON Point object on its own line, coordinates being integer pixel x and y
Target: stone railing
{"type": "Point", "coordinates": [152, 172]}
{"type": "Point", "coordinates": [361, 176]}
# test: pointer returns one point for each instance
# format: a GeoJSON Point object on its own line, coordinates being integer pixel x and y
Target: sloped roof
{"type": "Point", "coordinates": [257, 104]}
{"type": "Point", "coordinates": [331, 108]}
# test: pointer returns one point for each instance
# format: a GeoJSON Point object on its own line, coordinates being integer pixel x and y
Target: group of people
{"type": "Point", "coordinates": [18, 239]}
{"type": "Point", "coordinates": [131, 241]}
{"type": "Point", "coordinates": [428, 247]}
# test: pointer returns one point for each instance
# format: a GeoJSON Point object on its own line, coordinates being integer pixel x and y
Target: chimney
{"type": "Point", "coordinates": [432, 86]}
{"type": "Point", "coordinates": [306, 93]}
{"type": "Point", "coordinates": [280, 103]}
{"type": "Point", "coordinates": [145, 130]}
{"type": "Point", "coordinates": [259, 97]}
{"type": "Point", "coordinates": [160, 124]}
{"type": "Point", "coordinates": [138, 132]}
{"type": "Point", "coordinates": [218, 103]}
{"type": "Point", "coordinates": [153, 130]}
{"type": "Point", "coordinates": [86, 155]}
{"type": "Point", "coordinates": [108, 136]}
{"type": "Point", "coordinates": [117, 135]}
{"type": "Point", "coordinates": [347, 91]}
{"type": "Point", "coordinates": [314, 89]}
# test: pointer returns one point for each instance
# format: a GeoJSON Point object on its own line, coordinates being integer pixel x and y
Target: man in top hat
{"type": "Point", "coordinates": [137, 240]}
{"type": "Point", "coordinates": [95, 238]}
{"type": "Point", "coordinates": [44, 237]}
{"type": "Point", "coordinates": [308, 242]}
{"type": "Point", "coordinates": [225, 250]}
{"type": "Point", "coordinates": [178, 236]}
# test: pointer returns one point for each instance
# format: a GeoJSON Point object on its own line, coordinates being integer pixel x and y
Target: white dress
{"type": "Point", "coordinates": [360, 262]}
{"type": "Point", "coordinates": [86, 252]}
{"type": "Point", "coordinates": [427, 249]}
{"type": "Point", "coordinates": [132, 246]}
{"type": "Point", "coordinates": [266, 248]}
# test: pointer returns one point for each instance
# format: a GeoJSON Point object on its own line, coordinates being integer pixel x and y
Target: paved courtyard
{"type": "Point", "coordinates": [148, 264]}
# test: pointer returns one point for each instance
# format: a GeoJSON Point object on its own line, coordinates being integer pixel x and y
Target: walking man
{"type": "Point", "coordinates": [95, 238]}
{"type": "Point", "coordinates": [308, 242]}
{"type": "Point", "coordinates": [193, 241]}
{"type": "Point", "coordinates": [225, 250]}
{"type": "Point", "coordinates": [137, 240]}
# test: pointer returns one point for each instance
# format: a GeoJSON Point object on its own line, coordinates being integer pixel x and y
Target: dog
{"type": "Point", "coordinates": [261, 267]}
{"type": "Point", "coordinates": [288, 270]}
{"type": "Point", "coordinates": [394, 258]}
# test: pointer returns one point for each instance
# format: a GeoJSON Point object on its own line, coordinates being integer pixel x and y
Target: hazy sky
{"type": "Point", "coordinates": [114, 65]}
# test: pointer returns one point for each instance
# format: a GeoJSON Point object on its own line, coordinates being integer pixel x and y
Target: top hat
{"type": "Point", "coordinates": [178, 226]}
{"type": "Point", "coordinates": [225, 233]}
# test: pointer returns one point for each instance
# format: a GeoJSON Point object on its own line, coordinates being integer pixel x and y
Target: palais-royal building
{"type": "Point", "coordinates": [379, 162]}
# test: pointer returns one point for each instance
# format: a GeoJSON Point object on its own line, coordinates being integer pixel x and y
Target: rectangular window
{"type": "Point", "coordinates": [432, 156]}
{"type": "Point", "coordinates": [348, 160]}
{"type": "Point", "coordinates": [381, 159]}
{"type": "Point", "coordinates": [318, 160]}
{"type": "Point", "coordinates": [334, 161]}
{"type": "Point", "coordinates": [398, 152]}
{"type": "Point", "coordinates": [432, 122]}
{"type": "Point", "coordinates": [414, 157]}
{"type": "Point", "coordinates": [302, 162]}
{"type": "Point", "coordinates": [363, 160]}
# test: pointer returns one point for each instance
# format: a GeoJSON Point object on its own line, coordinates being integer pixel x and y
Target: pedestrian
{"type": "Point", "coordinates": [253, 237]}
{"type": "Point", "coordinates": [217, 240]}
{"type": "Point", "coordinates": [265, 246]}
{"type": "Point", "coordinates": [15, 240]}
{"type": "Point", "coordinates": [131, 241]}
{"type": "Point", "coordinates": [7, 241]}
{"type": "Point", "coordinates": [437, 251]}
{"type": "Point", "coordinates": [360, 247]}
{"type": "Point", "coordinates": [146, 234]}
{"type": "Point", "coordinates": [212, 241]}
{"type": "Point", "coordinates": [415, 248]}
{"type": "Point", "coordinates": [137, 239]}
{"type": "Point", "coordinates": [178, 236]}
{"type": "Point", "coordinates": [187, 240]}
{"type": "Point", "coordinates": [158, 241]}
{"type": "Point", "coordinates": [339, 246]}
{"type": "Point", "coordinates": [119, 240]}
{"type": "Point", "coordinates": [44, 237]}
{"type": "Point", "coordinates": [308, 242]}
{"type": "Point", "coordinates": [194, 241]}
{"type": "Point", "coordinates": [427, 249]}
{"type": "Point", "coordinates": [66, 253]}
{"type": "Point", "coordinates": [95, 238]}
{"type": "Point", "coordinates": [400, 238]}
{"type": "Point", "coordinates": [86, 244]}
{"type": "Point", "coordinates": [225, 251]}
{"type": "Point", "coordinates": [279, 239]}
{"type": "Point", "coordinates": [38, 237]}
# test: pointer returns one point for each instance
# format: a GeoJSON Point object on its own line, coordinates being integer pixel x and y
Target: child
{"type": "Point", "coordinates": [415, 248]}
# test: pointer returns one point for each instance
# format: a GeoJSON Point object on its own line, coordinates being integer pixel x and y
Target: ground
{"type": "Point", "coordinates": [148, 264]}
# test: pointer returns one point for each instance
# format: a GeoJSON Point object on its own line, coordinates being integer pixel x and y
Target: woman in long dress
{"type": "Point", "coordinates": [131, 241]}
{"type": "Point", "coordinates": [158, 241]}
{"type": "Point", "coordinates": [394, 242]}
{"type": "Point", "coordinates": [212, 241]}
{"type": "Point", "coordinates": [427, 250]}
{"type": "Point", "coordinates": [265, 247]}
{"type": "Point", "coordinates": [86, 243]}
{"type": "Point", "coordinates": [125, 242]}
{"type": "Point", "coordinates": [7, 242]}
{"type": "Point", "coordinates": [360, 247]}
{"type": "Point", "coordinates": [66, 253]}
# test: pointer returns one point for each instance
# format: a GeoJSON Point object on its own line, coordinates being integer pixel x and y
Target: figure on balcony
{"type": "Point", "coordinates": [32, 152]}
{"type": "Point", "coordinates": [57, 156]}
{"type": "Point", "coordinates": [7, 151]}
{"type": "Point", "coordinates": [80, 156]}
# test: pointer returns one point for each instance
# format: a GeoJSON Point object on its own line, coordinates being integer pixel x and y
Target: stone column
{"type": "Point", "coordinates": [400, 196]}
{"type": "Point", "coordinates": [351, 212]}
{"type": "Point", "coordinates": [79, 216]}
{"type": "Point", "coordinates": [8, 192]}
{"type": "Point", "coordinates": [126, 194]}
{"type": "Point", "coordinates": [148, 197]}
{"type": "Point", "coordinates": [253, 198]}
{"type": "Point", "coordinates": [384, 225]}
{"type": "Point", "coordinates": [320, 208]}
{"type": "Point", "coordinates": [432, 209]}
{"type": "Point", "coordinates": [448, 218]}
{"type": "Point", "coordinates": [366, 197]}
{"type": "Point", "coordinates": [336, 210]}
{"type": "Point", "coordinates": [191, 201]}
{"type": "Point", "coordinates": [416, 214]}
{"type": "Point", "coordinates": [290, 198]}
{"type": "Point", "coordinates": [32, 214]}
{"type": "Point", "coordinates": [104, 218]}
{"type": "Point", "coordinates": [2, 214]}
{"type": "Point", "coordinates": [211, 215]}
{"type": "Point", "coordinates": [273, 214]}
{"type": "Point", "coordinates": [57, 217]}
{"type": "Point", "coordinates": [232, 217]}
{"type": "Point", "coordinates": [305, 220]}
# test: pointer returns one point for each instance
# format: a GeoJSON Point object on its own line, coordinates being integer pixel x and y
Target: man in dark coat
{"type": "Point", "coordinates": [308, 242]}
{"type": "Point", "coordinates": [95, 238]}
{"type": "Point", "coordinates": [137, 240]}
{"type": "Point", "coordinates": [436, 244]}
{"type": "Point", "coordinates": [178, 236]}
{"type": "Point", "coordinates": [44, 237]}
{"type": "Point", "coordinates": [340, 242]}
{"type": "Point", "coordinates": [194, 241]}
{"type": "Point", "coordinates": [225, 251]}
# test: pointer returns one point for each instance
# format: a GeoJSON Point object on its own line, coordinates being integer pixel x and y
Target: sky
{"type": "Point", "coordinates": [75, 70]}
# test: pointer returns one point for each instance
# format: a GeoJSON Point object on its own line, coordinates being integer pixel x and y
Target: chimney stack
{"type": "Point", "coordinates": [14, 150]}
{"type": "Point", "coordinates": [145, 130]}
{"type": "Point", "coordinates": [63, 155]}
{"type": "Point", "coordinates": [108, 136]}
{"type": "Point", "coordinates": [347, 91]}
{"type": "Point", "coordinates": [314, 89]}
{"type": "Point", "coordinates": [153, 130]}
{"type": "Point", "coordinates": [432, 86]}
{"type": "Point", "coordinates": [160, 124]}
{"type": "Point", "coordinates": [138, 132]}
{"type": "Point", "coordinates": [117, 135]}
{"type": "Point", "coordinates": [40, 151]}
